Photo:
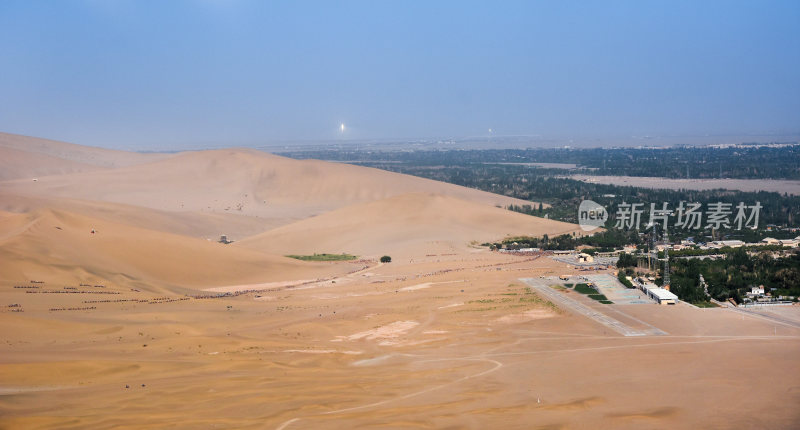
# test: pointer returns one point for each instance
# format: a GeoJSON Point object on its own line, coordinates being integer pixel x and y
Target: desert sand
{"type": "Point", "coordinates": [403, 225]}
{"type": "Point", "coordinates": [24, 157]}
{"type": "Point", "coordinates": [119, 312]}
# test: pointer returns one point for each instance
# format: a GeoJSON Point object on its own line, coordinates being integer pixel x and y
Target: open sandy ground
{"type": "Point", "coordinates": [473, 349]}
{"type": "Point", "coordinates": [774, 185]}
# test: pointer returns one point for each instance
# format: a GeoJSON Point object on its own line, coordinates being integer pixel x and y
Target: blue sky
{"type": "Point", "coordinates": [163, 74]}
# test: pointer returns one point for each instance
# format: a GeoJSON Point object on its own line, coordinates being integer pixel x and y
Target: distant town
{"type": "Point", "coordinates": [651, 268]}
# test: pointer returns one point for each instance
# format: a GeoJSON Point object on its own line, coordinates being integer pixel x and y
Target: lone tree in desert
{"type": "Point", "coordinates": [386, 259]}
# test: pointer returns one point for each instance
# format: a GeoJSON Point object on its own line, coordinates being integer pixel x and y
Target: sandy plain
{"type": "Point", "coordinates": [145, 323]}
{"type": "Point", "coordinates": [751, 185]}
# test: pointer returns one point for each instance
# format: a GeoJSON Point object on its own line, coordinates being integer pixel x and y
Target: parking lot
{"type": "Point", "coordinates": [616, 292]}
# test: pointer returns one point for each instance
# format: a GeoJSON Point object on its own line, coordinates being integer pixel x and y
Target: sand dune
{"type": "Point", "coordinates": [41, 153]}
{"type": "Point", "coordinates": [147, 208]}
{"type": "Point", "coordinates": [207, 225]}
{"type": "Point", "coordinates": [245, 182]}
{"type": "Point", "coordinates": [18, 164]}
{"type": "Point", "coordinates": [60, 246]}
{"type": "Point", "coordinates": [238, 192]}
{"type": "Point", "coordinates": [407, 225]}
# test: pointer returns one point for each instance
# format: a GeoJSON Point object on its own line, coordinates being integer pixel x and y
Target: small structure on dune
{"type": "Point", "coordinates": [223, 238]}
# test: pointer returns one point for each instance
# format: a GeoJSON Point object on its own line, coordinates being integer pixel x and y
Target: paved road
{"type": "Point", "coordinates": [540, 285]}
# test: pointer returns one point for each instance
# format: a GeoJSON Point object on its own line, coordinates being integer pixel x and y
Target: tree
{"type": "Point", "coordinates": [624, 280]}
{"type": "Point", "coordinates": [386, 259]}
{"type": "Point", "coordinates": [626, 260]}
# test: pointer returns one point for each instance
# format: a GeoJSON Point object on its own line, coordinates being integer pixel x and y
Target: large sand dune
{"type": "Point", "coordinates": [152, 205]}
{"type": "Point", "coordinates": [37, 153]}
{"type": "Point", "coordinates": [20, 164]}
{"type": "Point", "coordinates": [245, 182]}
{"type": "Point", "coordinates": [406, 225]}
{"type": "Point", "coordinates": [60, 246]}
{"type": "Point", "coordinates": [205, 225]}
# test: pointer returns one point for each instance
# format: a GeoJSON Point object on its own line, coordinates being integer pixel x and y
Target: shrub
{"type": "Point", "coordinates": [386, 259]}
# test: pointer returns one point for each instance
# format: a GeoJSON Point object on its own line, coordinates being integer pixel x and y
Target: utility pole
{"type": "Point", "coordinates": [652, 258]}
{"type": "Point", "coordinates": [666, 261]}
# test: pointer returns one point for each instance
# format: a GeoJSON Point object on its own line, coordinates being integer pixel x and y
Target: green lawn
{"type": "Point", "coordinates": [606, 302]}
{"type": "Point", "coordinates": [705, 305]}
{"type": "Point", "coordinates": [599, 297]}
{"type": "Point", "coordinates": [585, 289]}
{"type": "Point", "coordinates": [324, 257]}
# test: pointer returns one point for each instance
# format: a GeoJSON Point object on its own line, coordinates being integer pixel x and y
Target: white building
{"type": "Point", "coordinates": [729, 243]}
{"type": "Point", "coordinates": [756, 292]}
{"type": "Point", "coordinates": [660, 295]}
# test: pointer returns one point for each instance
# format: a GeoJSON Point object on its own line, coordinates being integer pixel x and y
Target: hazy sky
{"type": "Point", "coordinates": [164, 74]}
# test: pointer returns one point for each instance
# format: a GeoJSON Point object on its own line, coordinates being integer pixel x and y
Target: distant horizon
{"type": "Point", "coordinates": [458, 143]}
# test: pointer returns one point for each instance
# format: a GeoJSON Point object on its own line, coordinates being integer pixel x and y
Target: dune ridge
{"type": "Point", "coordinates": [241, 181]}
{"type": "Point", "coordinates": [59, 245]}
{"type": "Point", "coordinates": [407, 224]}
